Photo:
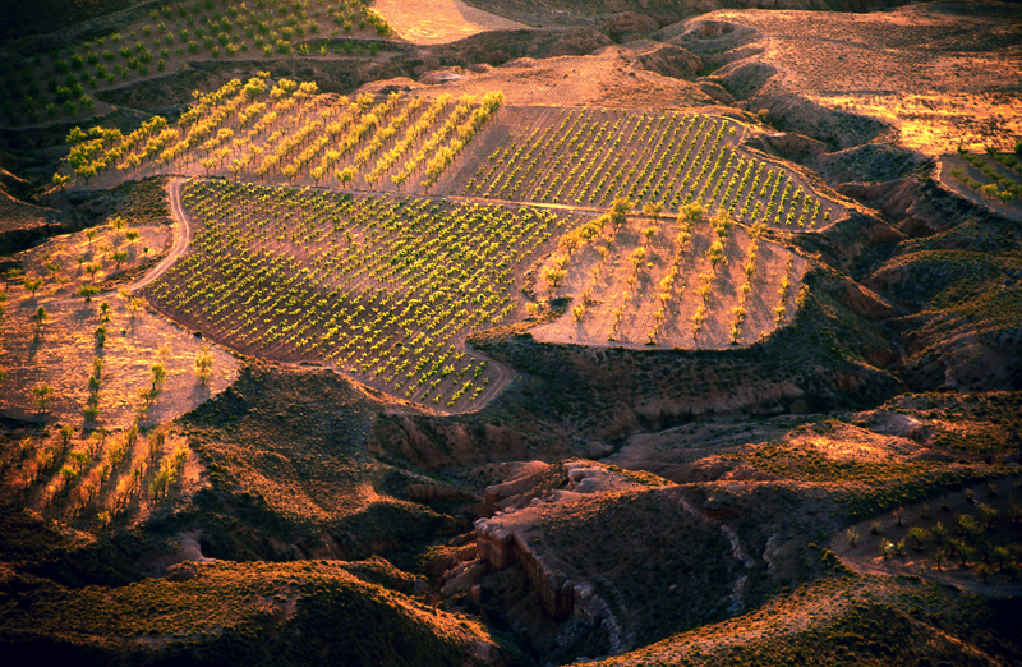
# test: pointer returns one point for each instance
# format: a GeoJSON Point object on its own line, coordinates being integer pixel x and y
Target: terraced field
{"type": "Point", "coordinates": [390, 283]}
{"type": "Point", "coordinates": [386, 288]}
{"type": "Point", "coordinates": [663, 160]}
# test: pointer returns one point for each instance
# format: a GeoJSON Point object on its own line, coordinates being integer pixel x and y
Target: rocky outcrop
{"type": "Point", "coordinates": [501, 546]}
{"type": "Point", "coordinates": [716, 92]}
{"type": "Point", "coordinates": [629, 24]}
{"type": "Point", "coordinates": [670, 61]}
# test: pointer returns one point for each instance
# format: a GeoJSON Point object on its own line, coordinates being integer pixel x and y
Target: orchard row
{"type": "Point", "coordinates": [660, 161]}
{"type": "Point", "coordinates": [57, 84]}
{"type": "Point", "coordinates": [260, 131]}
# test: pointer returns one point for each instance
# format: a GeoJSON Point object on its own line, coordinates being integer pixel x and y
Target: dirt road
{"type": "Point", "coordinates": [182, 237]}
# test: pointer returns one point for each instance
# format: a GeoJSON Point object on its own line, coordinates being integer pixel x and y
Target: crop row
{"type": "Point", "coordinates": [664, 282]}
{"type": "Point", "coordinates": [56, 83]}
{"type": "Point", "coordinates": [1010, 188]}
{"type": "Point", "coordinates": [666, 160]}
{"type": "Point", "coordinates": [385, 288]}
{"type": "Point", "coordinates": [263, 132]}
{"type": "Point", "coordinates": [96, 478]}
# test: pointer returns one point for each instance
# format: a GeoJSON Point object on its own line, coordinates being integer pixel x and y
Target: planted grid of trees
{"type": "Point", "coordinates": [57, 85]}
{"type": "Point", "coordinates": [261, 131]}
{"type": "Point", "coordinates": [100, 476]}
{"type": "Point", "coordinates": [687, 280]}
{"type": "Point", "coordinates": [589, 156]}
{"type": "Point", "coordinates": [385, 288]}
{"type": "Point", "coordinates": [1001, 174]}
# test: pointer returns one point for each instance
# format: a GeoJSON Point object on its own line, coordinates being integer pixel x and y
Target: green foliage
{"type": "Point", "coordinates": [304, 272]}
{"type": "Point", "coordinates": [660, 161]}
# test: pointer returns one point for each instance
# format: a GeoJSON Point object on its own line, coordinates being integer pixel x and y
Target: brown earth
{"type": "Point", "coordinates": [714, 528]}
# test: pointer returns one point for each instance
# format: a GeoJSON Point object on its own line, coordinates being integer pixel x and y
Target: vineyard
{"type": "Point", "coordinates": [386, 285]}
{"type": "Point", "coordinates": [689, 282]}
{"type": "Point", "coordinates": [385, 288]}
{"type": "Point", "coordinates": [57, 85]}
{"type": "Point", "coordinates": [288, 132]}
{"type": "Point", "coordinates": [661, 161]}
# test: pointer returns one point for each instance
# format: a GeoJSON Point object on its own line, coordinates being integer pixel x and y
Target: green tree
{"type": "Point", "coordinates": [619, 209]}
{"type": "Point", "coordinates": [653, 210]}
{"type": "Point", "coordinates": [988, 515]}
{"type": "Point", "coordinates": [690, 213]}
{"type": "Point", "coordinates": [76, 136]}
{"type": "Point", "coordinates": [346, 175]}
{"type": "Point", "coordinates": [87, 292]}
{"type": "Point", "coordinates": [159, 372]}
{"type": "Point", "coordinates": [553, 276]}
{"type": "Point", "coordinates": [204, 364]}
{"type": "Point", "coordinates": [43, 397]}
{"type": "Point", "coordinates": [67, 433]}
{"type": "Point", "coordinates": [33, 285]}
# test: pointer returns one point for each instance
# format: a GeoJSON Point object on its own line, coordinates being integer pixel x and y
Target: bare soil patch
{"type": "Point", "coordinates": [939, 74]}
{"type": "Point", "coordinates": [439, 21]}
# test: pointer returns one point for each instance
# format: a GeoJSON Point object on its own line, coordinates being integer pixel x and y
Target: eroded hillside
{"type": "Point", "coordinates": [511, 333]}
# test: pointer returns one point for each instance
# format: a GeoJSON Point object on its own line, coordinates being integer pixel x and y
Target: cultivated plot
{"type": "Point", "coordinates": [385, 288]}
{"type": "Point", "coordinates": [995, 178]}
{"type": "Point", "coordinates": [61, 85]}
{"type": "Point", "coordinates": [690, 282]}
{"type": "Point", "coordinates": [663, 160]}
{"type": "Point", "coordinates": [288, 132]}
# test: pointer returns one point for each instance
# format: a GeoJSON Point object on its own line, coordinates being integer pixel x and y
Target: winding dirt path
{"type": "Point", "coordinates": [182, 237]}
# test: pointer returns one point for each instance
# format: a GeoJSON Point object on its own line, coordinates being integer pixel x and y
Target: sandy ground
{"type": "Point", "coordinates": [439, 21]}
{"type": "Point", "coordinates": [940, 73]}
{"type": "Point", "coordinates": [59, 351]}
{"type": "Point", "coordinates": [936, 124]}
